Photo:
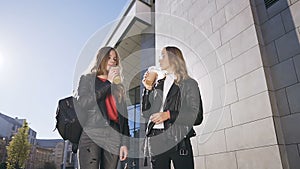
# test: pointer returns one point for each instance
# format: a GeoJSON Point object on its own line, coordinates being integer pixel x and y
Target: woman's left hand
{"type": "Point", "coordinates": [123, 153]}
{"type": "Point", "coordinates": [159, 117]}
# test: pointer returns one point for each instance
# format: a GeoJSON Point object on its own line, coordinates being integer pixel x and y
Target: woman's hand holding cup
{"type": "Point", "coordinates": [149, 79]}
{"type": "Point", "coordinates": [148, 87]}
{"type": "Point", "coordinates": [112, 74]}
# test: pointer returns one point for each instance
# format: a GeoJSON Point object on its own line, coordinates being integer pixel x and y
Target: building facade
{"type": "Point", "coordinates": [2, 150]}
{"type": "Point", "coordinates": [58, 154]}
{"type": "Point", "coordinates": [43, 156]}
{"type": "Point", "coordinates": [250, 84]}
{"type": "Point", "coordinates": [245, 55]}
{"type": "Point", "coordinates": [9, 127]}
{"type": "Point", "coordinates": [48, 151]}
{"type": "Point", "coordinates": [43, 151]}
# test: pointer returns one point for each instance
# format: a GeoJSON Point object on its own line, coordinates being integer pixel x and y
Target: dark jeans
{"type": "Point", "coordinates": [91, 155]}
{"type": "Point", "coordinates": [180, 159]}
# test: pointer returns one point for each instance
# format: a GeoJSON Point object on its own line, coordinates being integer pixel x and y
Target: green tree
{"type": "Point", "coordinates": [18, 150]}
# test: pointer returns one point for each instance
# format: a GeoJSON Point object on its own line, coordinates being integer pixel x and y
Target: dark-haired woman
{"type": "Point", "coordinates": [104, 139]}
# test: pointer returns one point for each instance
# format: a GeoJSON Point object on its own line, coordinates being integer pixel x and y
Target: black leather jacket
{"type": "Point", "coordinates": [91, 96]}
{"type": "Point", "coordinates": [184, 103]}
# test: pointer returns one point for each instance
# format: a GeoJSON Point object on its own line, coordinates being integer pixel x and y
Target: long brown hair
{"type": "Point", "coordinates": [177, 61]}
{"type": "Point", "coordinates": [100, 69]}
{"type": "Point", "coordinates": [102, 58]}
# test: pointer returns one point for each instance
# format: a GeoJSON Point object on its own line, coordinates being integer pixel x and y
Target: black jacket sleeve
{"type": "Point", "coordinates": [147, 99]}
{"type": "Point", "coordinates": [191, 105]}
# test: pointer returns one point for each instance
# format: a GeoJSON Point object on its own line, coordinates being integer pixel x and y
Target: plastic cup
{"type": "Point", "coordinates": [151, 78]}
{"type": "Point", "coordinates": [153, 75]}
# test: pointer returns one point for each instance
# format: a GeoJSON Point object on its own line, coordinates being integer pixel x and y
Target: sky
{"type": "Point", "coordinates": [40, 42]}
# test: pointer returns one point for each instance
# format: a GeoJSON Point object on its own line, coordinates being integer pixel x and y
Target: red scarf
{"type": "Point", "coordinates": [111, 106]}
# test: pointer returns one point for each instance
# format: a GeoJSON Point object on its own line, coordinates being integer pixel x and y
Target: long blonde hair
{"type": "Point", "coordinates": [177, 61]}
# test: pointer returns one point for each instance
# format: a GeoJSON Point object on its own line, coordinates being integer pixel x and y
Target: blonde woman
{"type": "Point", "coordinates": [173, 106]}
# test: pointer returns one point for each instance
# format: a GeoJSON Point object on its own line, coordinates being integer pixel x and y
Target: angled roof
{"type": "Point", "coordinates": [47, 143]}
{"type": "Point", "coordinates": [10, 120]}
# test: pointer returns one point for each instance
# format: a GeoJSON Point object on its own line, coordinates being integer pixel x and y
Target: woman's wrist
{"type": "Point", "coordinates": [168, 114]}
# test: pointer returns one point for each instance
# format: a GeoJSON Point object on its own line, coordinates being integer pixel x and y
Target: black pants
{"type": "Point", "coordinates": [180, 159]}
{"type": "Point", "coordinates": [91, 155]}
